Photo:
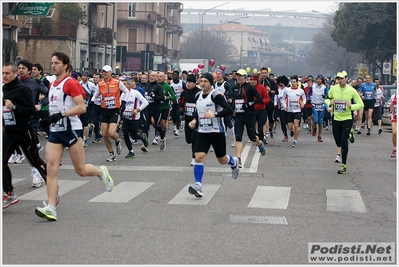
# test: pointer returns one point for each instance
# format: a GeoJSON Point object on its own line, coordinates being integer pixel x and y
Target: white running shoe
{"type": "Point", "coordinates": [181, 128]}
{"type": "Point", "coordinates": [338, 159]}
{"type": "Point", "coordinates": [37, 179]}
{"type": "Point", "coordinates": [12, 159]}
{"type": "Point", "coordinates": [233, 142]}
{"type": "Point", "coordinates": [192, 162]}
{"type": "Point", "coordinates": [19, 158]}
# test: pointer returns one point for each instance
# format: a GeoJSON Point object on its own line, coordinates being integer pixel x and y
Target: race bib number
{"type": "Point", "coordinates": [8, 116]}
{"type": "Point", "coordinates": [190, 108]}
{"type": "Point", "coordinates": [205, 123]}
{"type": "Point", "coordinates": [149, 98]}
{"type": "Point", "coordinates": [128, 114]}
{"type": "Point", "coordinates": [318, 107]}
{"type": "Point", "coordinates": [110, 102]}
{"type": "Point", "coordinates": [239, 105]}
{"type": "Point", "coordinates": [340, 105]}
{"type": "Point", "coordinates": [294, 104]}
{"type": "Point", "coordinates": [59, 126]}
{"type": "Point", "coordinates": [369, 95]}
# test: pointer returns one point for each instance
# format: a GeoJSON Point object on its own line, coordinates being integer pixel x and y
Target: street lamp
{"type": "Point", "coordinates": [202, 24]}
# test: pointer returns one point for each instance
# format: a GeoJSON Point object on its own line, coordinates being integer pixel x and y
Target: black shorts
{"type": "Point", "coordinates": [164, 114]}
{"type": "Point", "coordinates": [66, 138]}
{"type": "Point", "coordinates": [203, 142]}
{"type": "Point", "coordinates": [368, 104]}
{"type": "Point", "coordinates": [109, 115]}
{"type": "Point", "coordinates": [309, 112]}
{"type": "Point", "coordinates": [291, 116]}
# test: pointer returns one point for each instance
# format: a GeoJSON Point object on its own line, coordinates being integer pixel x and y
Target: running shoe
{"type": "Point", "coordinates": [85, 143]}
{"type": "Point", "coordinates": [294, 144]}
{"type": "Point", "coordinates": [155, 141]}
{"type": "Point", "coordinates": [233, 142]}
{"type": "Point", "coordinates": [271, 134]}
{"type": "Point", "coordinates": [239, 163]}
{"type": "Point", "coordinates": [393, 155]}
{"type": "Point", "coordinates": [91, 128]}
{"type": "Point", "coordinates": [235, 171]}
{"type": "Point", "coordinates": [181, 128]}
{"type": "Point", "coordinates": [111, 157]}
{"type": "Point", "coordinates": [368, 131]}
{"type": "Point", "coordinates": [309, 131]}
{"type": "Point", "coordinates": [144, 148]}
{"type": "Point", "coordinates": [327, 128]}
{"type": "Point", "coordinates": [195, 190]}
{"type": "Point", "coordinates": [305, 126]}
{"type": "Point", "coordinates": [9, 200]}
{"type": "Point", "coordinates": [176, 132]}
{"type": "Point", "coordinates": [342, 169]}
{"type": "Point", "coordinates": [144, 138]}
{"type": "Point", "coordinates": [163, 144]}
{"type": "Point", "coordinates": [40, 147]}
{"type": "Point", "coordinates": [20, 158]}
{"type": "Point", "coordinates": [319, 139]}
{"type": "Point", "coordinates": [12, 159]}
{"type": "Point", "coordinates": [192, 162]}
{"type": "Point", "coordinates": [359, 132]}
{"type": "Point", "coordinates": [262, 149]}
{"type": "Point", "coordinates": [118, 147]}
{"type": "Point", "coordinates": [291, 133]}
{"type": "Point", "coordinates": [351, 136]}
{"type": "Point", "coordinates": [37, 179]}
{"type": "Point", "coordinates": [96, 141]}
{"type": "Point", "coordinates": [314, 131]}
{"type": "Point", "coordinates": [46, 212]}
{"type": "Point", "coordinates": [379, 131]}
{"type": "Point", "coordinates": [265, 140]}
{"type": "Point", "coordinates": [285, 139]}
{"type": "Point", "coordinates": [130, 155]}
{"type": "Point", "coordinates": [338, 158]}
{"type": "Point", "coordinates": [107, 179]}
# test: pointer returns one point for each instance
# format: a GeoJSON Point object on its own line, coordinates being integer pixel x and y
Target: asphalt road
{"type": "Point", "coordinates": [280, 203]}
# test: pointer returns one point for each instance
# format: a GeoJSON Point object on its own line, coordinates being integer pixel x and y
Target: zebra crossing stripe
{"type": "Point", "coordinates": [185, 198]}
{"type": "Point", "coordinates": [344, 200]}
{"type": "Point", "coordinates": [65, 187]}
{"type": "Point", "coordinates": [123, 192]}
{"type": "Point", "coordinates": [270, 197]}
{"type": "Point", "coordinates": [255, 161]}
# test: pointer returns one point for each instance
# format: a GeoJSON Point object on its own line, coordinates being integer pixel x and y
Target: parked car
{"type": "Point", "coordinates": [385, 118]}
{"type": "Point", "coordinates": [389, 90]}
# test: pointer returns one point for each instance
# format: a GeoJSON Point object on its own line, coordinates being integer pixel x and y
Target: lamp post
{"type": "Point", "coordinates": [202, 24]}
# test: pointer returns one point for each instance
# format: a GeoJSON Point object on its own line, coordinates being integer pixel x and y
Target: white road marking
{"type": "Point", "coordinates": [185, 198]}
{"type": "Point", "coordinates": [344, 200]}
{"type": "Point", "coordinates": [123, 192]}
{"type": "Point", "coordinates": [270, 197]}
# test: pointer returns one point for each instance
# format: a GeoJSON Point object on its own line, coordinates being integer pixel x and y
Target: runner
{"type": "Point", "coordinates": [210, 108]}
{"type": "Point", "coordinates": [317, 94]}
{"type": "Point", "coordinates": [343, 99]}
{"type": "Point", "coordinates": [66, 103]}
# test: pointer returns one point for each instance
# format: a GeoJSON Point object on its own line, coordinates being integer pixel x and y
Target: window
{"type": "Point", "coordinates": [132, 39]}
{"type": "Point", "coordinates": [132, 9]}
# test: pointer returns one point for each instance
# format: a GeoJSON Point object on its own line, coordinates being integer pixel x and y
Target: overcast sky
{"type": "Point", "coordinates": [300, 6]}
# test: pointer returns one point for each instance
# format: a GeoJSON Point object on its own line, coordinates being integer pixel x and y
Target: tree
{"type": "Point", "coordinates": [326, 54]}
{"type": "Point", "coordinates": [215, 46]}
{"type": "Point", "coordinates": [367, 28]}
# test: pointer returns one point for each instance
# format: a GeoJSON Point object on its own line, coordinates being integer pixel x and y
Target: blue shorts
{"type": "Point", "coordinates": [318, 115]}
{"type": "Point", "coordinates": [66, 138]}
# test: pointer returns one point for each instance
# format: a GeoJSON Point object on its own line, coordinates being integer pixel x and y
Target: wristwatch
{"type": "Point", "coordinates": [63, 113]}
{"type": "Point", "coordinates": [216, 114]}
{"type": "Point", "coordinates": [14, 107]}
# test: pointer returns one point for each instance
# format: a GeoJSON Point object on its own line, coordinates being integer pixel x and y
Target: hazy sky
{"type": "Point", "coordinates": [301, 6]}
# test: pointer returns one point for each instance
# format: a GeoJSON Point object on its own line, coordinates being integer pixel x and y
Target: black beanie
{"type": "Point", "coordinates": [209, 77]}
{"type": "Point", "coordinates": [191, 78]}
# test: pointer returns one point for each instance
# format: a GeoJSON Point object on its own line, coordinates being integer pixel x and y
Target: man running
{"type": "Point", "coordinates": [66, 103]}
{"type": "Point", "coordinates": [211, 107]}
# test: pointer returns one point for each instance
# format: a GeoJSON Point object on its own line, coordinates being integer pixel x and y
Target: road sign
{"type": "Point", "coordinates": [363, 72]}
{"type": "Point", "coordinates": [303, 55]}
{"type": "Point", "coordinates": [255, 54]}
{"type": "Point", "coordinates": [32, 9]}
{"type": "Point", "coordinates": [386, 68]}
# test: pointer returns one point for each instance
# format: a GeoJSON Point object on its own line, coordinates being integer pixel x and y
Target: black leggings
{"type": "Point", "coordinates": [26, 139]}
{"type": "Point", "coordinates": [156, 114]}
{"type": "Point", "coordinates": [130, 129]}
{"type": "Point", "coordinates": [189, 134]}
{"type": "Point", "coordinates": [260, 118]}
{"type": "Point", "coordinates": [341, 131]}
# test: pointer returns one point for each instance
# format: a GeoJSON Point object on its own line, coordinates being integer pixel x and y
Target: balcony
{"type": "Point", "coordinates": [139, 16]}
{"type": "Point", "coordinates": [48, 30]}
{"type": "Point", "coordinates": [102, 35]}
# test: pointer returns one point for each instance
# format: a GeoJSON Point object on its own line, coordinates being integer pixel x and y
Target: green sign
{"type": "Point", "coordinates": [32, 9]}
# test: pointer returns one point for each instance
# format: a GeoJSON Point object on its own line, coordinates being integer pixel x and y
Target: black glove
{"type": "Point", "coordinates": [123, 106]}
{"type": "Point", "coordinates": [152, 94]}
{"type": "Point", "coordinates": [55, 117]}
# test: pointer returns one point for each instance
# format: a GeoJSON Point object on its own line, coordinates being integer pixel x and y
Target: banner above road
{"type": "Point", "coordinates": [32, 9]}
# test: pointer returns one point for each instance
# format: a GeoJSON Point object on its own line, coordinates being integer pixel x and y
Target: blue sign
{"type": "Point", "coordinates": [303, 55]}
{"type": "Point", "coordinates": [255, 54]}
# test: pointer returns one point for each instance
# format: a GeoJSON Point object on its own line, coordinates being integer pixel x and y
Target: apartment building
{"type": "Point", "coordinates": [126, 35]}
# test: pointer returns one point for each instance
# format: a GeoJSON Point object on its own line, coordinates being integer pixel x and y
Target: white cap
{"type": "Point", "coordinates": [107, 68]}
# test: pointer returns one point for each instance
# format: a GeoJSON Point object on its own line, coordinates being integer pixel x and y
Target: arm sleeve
{"type": "Point", "coordinates": [172, 95]}
{"type": "Point", "coordinates": [142, 99]}
{"type": "Point", "coordinates": [73, 88]}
